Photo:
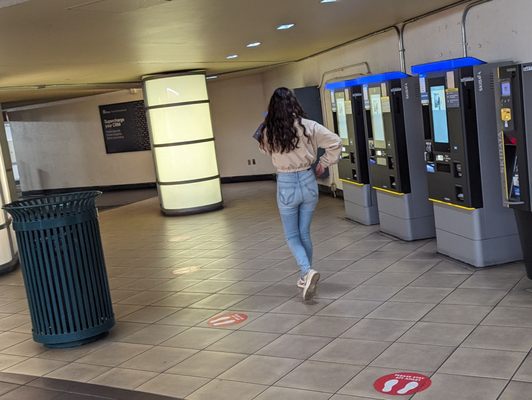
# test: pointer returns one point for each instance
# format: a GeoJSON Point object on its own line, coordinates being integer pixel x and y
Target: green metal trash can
{"type": "Point", "coordinates": [63, 267]}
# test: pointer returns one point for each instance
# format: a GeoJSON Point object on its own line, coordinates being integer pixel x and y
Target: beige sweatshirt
{"type": "Point", "coordinates": [305, 154]}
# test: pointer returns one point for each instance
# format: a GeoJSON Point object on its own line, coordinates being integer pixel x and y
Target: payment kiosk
{"type": "Point", "coordinates": [513, 94]}
{"type": "Point", "coordinates": [461, 162]}
{"type": "Point", "coordinates": [359, 198]}
{"type": "Point", "coordinates": [394, 130]}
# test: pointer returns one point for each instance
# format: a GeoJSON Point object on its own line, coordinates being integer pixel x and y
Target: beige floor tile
{"type": "Point", "coordinates": [173, 385]}
{"type": "Point", "coordinates": [320, 376]}
{"type": "Point", "coordinates": [525, 371]}
{"type": "Point", "coordinates": [149, 315]}
{"type": "Point", "coordinates": [382, 330]}
{"type": "Point", "coordinates": [483, 363]}
{"type": "Point", "coordinates": [197, 338]}
{"type": "Point", "coordinates": [437, 334]}
{"type": "Point", "coordinates": [113, 354]}
{"type": "Point", "coordinates": [9, 339]}
{"type": "Point", "coordinates": [500, 338]}
{"type": "Point", "coordinates": [350, 351]}
{"type": "Point", "coordinates": [260, 370]}
{"type": "Point", "coordinates": [517, 391]}
{"type": "Point", "coordinates": [29, 348]}
{"type": "Point", "coordinates": [123, 378]}
{"type": "Point", "coordinates": [153, 334]}
{"type": "Point", "coordinates": [446, 387]}
{"type": "Point", "coordinates": [207, 364]}
{"type": "Point", "coordinates": [277, 393]}
{"type": "Point", "coordinates": [227, 390]}
{"type": "Point", "coordinates": [35, 367]}
{"type": "Point", "coordinates": [78, 372]}
{"type": "Point", "coordinates": [158, 359]}
{"type": "Point", "coordinates": [415, 357]}
{"type": "Point", "coordinates": [7, 361]}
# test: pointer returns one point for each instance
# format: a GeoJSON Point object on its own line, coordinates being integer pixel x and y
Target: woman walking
{"type": "Point", "coordinates": [293, 141]}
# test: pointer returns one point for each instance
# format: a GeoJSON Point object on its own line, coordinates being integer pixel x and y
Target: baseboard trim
{"type": "Point", "coordinates": [248, 178]}
{"type": "Point", "coordinates": [110, 188]}
{"type": "Point", "coordinates": [10, 266]}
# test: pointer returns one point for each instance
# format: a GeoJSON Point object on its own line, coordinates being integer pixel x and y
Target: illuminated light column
{"type": "Point", "coordinates": [8, 245]}
{"type": "Point", "coordinates": [183, 143]}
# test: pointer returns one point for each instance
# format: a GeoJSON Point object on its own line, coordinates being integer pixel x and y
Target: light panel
{"type": "Point", "coordinates": [181, 124]}
{"type": "Point", "coordinates": [170, 162]}
{"type": "Point", "coordinates": [180, 89]}
{"type": "Point", "coordinates": [183, 143]}
{"type": "Point", "coordinates": [190, 196]}
{"type": "Point", "coordinates": [284, 27]}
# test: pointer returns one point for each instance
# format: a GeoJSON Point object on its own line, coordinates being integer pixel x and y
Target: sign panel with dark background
{"type": "Point", "coordinates": [125, 127]}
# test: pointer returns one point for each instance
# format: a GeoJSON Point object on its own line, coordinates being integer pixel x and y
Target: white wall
{"type": "Point", "coordinates": [499, 30]}
{"type": "Point", "coordinates": [60, 145]}
{"type": "Point", "coordinates": [237, 108]}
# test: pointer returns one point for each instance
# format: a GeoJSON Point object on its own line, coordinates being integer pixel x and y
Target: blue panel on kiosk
{"type": "Point", "coordinates": [341, 84]}
{"type": "Point", "coordinates": [366, 79]}
{"type": "Point", "coordinates": [446, 65]}
{"type": "Point", "coordinates": [379, 78]}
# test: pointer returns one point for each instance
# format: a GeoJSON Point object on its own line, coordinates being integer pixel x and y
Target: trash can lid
{"type": "Point", "coordinates": [52, 205]}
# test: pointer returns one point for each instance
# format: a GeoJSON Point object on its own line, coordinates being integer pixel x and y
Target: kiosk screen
{"type": "Point", "coordinates": [377, 121]}
{"type": "Point", "coordinates": [341, 115]}
{"type": "Point", "coordinates": [439, 114]}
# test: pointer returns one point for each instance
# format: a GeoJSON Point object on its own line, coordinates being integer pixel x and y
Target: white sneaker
{"type": "Point", "coordinates": [311, 281]}
{"type": "Point", "coordinates": [301, 283]}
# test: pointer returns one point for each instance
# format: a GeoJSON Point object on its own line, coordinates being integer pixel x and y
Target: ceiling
{"type": "Point", "coordinates": [79, 43]}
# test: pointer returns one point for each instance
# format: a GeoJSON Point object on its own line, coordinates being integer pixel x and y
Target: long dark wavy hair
{"type": "Point", "coordinates": [279, 132]}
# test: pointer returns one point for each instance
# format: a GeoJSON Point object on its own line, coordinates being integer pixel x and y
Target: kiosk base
{"type": "Point", "coordinates": [524, 225]}
{"type": "Point", "coordinates": [400, 217]}
{"type": "Point", "coordinates": [361, 204]}
{"type": "Point", "coordinates": [462, 235]}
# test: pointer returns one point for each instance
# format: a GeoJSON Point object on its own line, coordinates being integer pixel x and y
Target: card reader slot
{"type": "Point", "coordinates": [441, 167]}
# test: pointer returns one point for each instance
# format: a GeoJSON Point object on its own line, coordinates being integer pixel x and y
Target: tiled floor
{"type": "Point", "coordinates": [384, 306]}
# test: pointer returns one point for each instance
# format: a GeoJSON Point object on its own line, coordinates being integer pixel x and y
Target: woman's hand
{"type": "Point", "coordinates": [320, 170]}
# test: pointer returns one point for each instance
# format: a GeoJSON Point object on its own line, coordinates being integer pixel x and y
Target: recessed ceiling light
{"type": "Point", "coordinates": [212, 77]}
{"type": "Point", "coordinates": [254, 44]}
{"type": "Point", "coordinates": [328, 1]}
{"type": "Point", "coordinates": [232, 56]}
{"type": "Point", "coordinates": [284, 27]}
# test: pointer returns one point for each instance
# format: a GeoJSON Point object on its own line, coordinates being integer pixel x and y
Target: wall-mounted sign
{"type": "Point", "coordinates": [125, 127]}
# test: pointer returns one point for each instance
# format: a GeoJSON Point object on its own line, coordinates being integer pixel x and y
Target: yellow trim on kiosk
{"type": "Point", "coordinates": [452, 205]}
{"type": "Point", "coordinates": [352, 182]}
{"type": "Point", "coordinates": [388, 191]}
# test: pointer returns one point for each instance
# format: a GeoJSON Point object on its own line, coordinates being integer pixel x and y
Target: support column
{"type": "Point", "coordinates": [182, 138]}
{"type": "Point", "coordinates": [8, 245]}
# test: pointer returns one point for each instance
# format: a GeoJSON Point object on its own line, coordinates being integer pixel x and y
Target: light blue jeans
{"type": "Point", "coordinates": [297, 197]}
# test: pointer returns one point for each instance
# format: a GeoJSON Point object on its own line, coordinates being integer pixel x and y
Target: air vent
{"type": "Point", "coordinates": [112, 6]}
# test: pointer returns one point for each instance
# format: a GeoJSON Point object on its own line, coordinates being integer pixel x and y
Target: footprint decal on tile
{"type": "Point", "coordinates": [410, 386]}
{"type": "Point", "coordinates": [388, 386]}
